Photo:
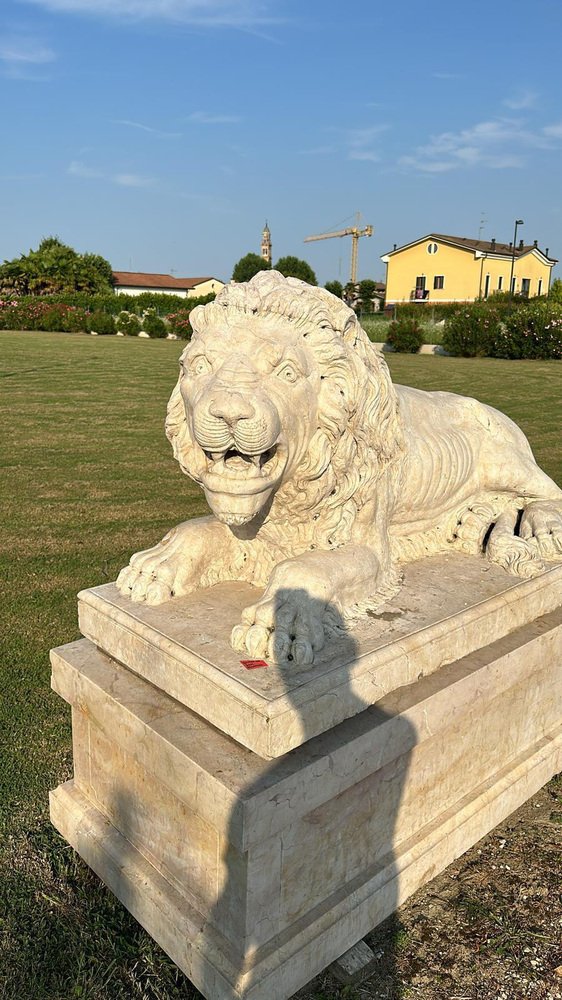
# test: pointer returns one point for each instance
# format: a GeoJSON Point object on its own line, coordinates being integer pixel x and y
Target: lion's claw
{"type": "Point", "coordinates": [170, 569]}
{"type": "Point", "coordinates": [285, 627]}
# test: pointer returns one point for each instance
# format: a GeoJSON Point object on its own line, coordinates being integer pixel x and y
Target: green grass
{"type": "Point", "coordinates": [87, 479]}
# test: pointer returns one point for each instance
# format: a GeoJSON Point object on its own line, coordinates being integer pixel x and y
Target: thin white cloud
{"type": "Point", "coordinates": [21, 55]}
{"type": "Point", "coordinates": [521, 100]}
{"type": "Point", "coordinates": [146, 128]}
{"type": "Point", "coordinates": [553, 131]}
{"type": "Point", "coordinates": [131, 180]}
{"type": "Point", "coordinates": [361, 143]}
{"type": "Point", "coordinates": [207, 118]}
{"type": "Point", "coordinates": [497, 144]}
{"type": "Point", "coordinates": [363, 154]}
{"type": "Point", "coordinates": [79, 169]}
{"type": "Point", "coordinates": [243, 14]}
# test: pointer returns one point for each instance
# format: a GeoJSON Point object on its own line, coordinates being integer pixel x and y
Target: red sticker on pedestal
{"type": "Point", "coordinates": [253, 664]}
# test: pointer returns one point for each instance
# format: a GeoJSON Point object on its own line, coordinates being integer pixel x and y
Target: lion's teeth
{"type": "Point", "coordinates": [217, 455]}
{"type": "Point", "coordinates": [256, 461]}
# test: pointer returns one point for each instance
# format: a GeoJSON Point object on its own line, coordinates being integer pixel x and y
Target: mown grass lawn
{"type": "Point", "coordinates": [87, 479]}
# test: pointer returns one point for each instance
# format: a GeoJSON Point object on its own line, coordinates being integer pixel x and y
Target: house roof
{"type": "Point", "coordinates": [141, 279]}
{"type": "Point", "coordinates": [488, 247]}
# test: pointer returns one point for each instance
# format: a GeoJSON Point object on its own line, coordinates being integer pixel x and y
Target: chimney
{"type": "Point", "coordinates": [394, 247]}
{"type": "Point", "coordinates": [521, 244]}
{"type": "Point", "coordinates": [535, 243]}
{"type": "Point", "coordinates": [493, 244]}
{"type": "Point", "coordinates": [546, 252]}
{"type": "Point", "coordinates": [510, 244]}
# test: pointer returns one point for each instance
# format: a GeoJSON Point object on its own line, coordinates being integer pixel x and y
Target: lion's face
{"type": "Point", "coordinates": [250, 393]}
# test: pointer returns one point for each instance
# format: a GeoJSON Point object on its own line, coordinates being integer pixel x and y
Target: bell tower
{"type": "Point", "coordinates": [266, 244]}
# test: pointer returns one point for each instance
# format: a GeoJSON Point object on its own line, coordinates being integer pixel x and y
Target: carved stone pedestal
{"type": "Point", "coordinates": [254, 874]}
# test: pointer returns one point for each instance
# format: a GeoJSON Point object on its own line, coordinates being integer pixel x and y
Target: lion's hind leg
{"type": "Point", "coordinates": [511, 532]}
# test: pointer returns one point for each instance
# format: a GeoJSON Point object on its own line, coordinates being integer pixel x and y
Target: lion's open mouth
{"type": "Point", "coordinates": [236, 463]}
{"type": "Point", "coordinates": [256, 471]}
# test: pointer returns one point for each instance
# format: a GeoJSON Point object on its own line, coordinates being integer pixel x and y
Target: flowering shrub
{"type": "Point", "coordinates": [405, 335]}
{"type": "Point", "coordinates": [470, 331]}
{"type": "Point", "coordinates": [180, 324]}
{"type": "Point", "coordinates": [37, 314]}
{"type": "Point", "coordinates": [533, 332]}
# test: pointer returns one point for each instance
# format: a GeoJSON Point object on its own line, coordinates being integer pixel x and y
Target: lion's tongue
{"type": "Point", "coordinates": [240, 464]}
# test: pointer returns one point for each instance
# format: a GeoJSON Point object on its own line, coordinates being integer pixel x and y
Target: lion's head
{"type": "Point", "coordinates": [283, 407]}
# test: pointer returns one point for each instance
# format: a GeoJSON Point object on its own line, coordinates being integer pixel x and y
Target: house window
{"type": "Point", "coordinates": [500, 282]}
{"type": "Point", "coordinates": [513, 282]}
{"type": "Point", "coordinates": [539, 287]}
{"type": "Point", "coordinates": [525, 286]}
{"type": "Point", "coordinates": [487, 286]}
{"type": "Point", "coordinates": [439, 281]}
{"type": "Point", "coordinates": [432, 248]}
{"type": "Point", "coordinates": [420, 292]}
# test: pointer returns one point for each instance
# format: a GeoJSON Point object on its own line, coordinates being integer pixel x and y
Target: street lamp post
{"type": "Point", "coordinates": [518, 222]}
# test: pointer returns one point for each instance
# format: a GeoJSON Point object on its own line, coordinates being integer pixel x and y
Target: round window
{"type": "Point", "coordinates": [432, 248]}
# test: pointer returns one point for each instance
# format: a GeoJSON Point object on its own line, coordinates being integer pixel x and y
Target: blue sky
{"type": "Point", "coordinates": [162, 133]}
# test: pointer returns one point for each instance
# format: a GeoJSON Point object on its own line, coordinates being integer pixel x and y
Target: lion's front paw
{"type": "Point", "coordinates": [159, 573]}
{"type": "Point", "coordinates": [286, 627]}
{"type": "Point", "coordinates": [542, 521]}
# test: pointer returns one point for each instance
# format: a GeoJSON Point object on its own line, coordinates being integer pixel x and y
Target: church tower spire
{"type": "Point", "coordinates": [266, 244]}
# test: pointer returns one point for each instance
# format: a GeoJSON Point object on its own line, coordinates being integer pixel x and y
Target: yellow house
{"type": "Point", "coordinates": [440, 268]}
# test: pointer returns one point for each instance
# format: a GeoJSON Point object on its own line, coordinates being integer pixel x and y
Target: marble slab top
{"type": "Point", "coordinates": [449, 606]}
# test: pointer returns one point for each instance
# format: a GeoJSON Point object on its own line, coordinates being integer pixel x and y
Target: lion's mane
{"type": "Point", "coordinates": [359, 436]}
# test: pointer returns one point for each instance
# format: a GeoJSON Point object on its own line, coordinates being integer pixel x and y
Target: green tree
{"type": "Point", "coordinates": [335, 287]}
{"type": "Point", "coordinates": [555, 292]}
{"type": "Point", "coordinates": [248, 266]}
{"type": "Point", "coordinates": [95, 264]}
{"type": "Point", "coordinates": [294, 267]}
{"type": "Point", "coordinates": [56, 268]}
{"type": "Point", "coordinates": [367, 289]}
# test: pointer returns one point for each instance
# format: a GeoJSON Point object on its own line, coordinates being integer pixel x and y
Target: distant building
{"type": "Point", "coordinates": [136, 282]}
{"type": "Point", "coordinates": [266, 244]}
{"type": "Point", "coordinates": [439, 268]}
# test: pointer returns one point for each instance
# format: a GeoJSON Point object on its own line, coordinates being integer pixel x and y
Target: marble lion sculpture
{"type": "Point", "coordinates": [323, 477]}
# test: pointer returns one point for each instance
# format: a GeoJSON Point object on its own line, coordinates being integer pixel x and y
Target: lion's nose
{"type": "Point", "coordinates": [230, 407]}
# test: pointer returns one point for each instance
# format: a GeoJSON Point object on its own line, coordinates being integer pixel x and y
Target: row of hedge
{"type": "Point", "coordinates": [531, 330]}
{"type": "Point", "coordinates": [115, 303]}
{"type": "Point", "coordinates": [157, 315]}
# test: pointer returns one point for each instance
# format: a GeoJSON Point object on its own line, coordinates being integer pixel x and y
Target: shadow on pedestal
{"type": "Point", "coordinates": [340, 839]}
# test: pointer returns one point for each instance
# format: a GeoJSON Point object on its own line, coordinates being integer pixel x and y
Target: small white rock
{"type": "Point", "coordinates": [144, 335]}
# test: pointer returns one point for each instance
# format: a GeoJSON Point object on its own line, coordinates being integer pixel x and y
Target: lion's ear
{"type": "Point", "coordinates": [175, 417]}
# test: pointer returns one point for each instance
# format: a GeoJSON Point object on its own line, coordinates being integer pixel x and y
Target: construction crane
{"type": "Point", "coordinates": [355, 232]}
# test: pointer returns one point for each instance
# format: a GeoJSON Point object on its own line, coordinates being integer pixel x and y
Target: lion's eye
{"type": "Point", "coordinates": [288, 373]}
{"type": "Point", "coordinates": [200, 365]}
